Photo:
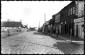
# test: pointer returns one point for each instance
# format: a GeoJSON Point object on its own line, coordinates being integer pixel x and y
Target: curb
{"type": "Point", "coordinates": [68, 40]}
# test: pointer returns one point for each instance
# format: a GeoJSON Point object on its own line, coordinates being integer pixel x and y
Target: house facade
{"type": "Point", "coordinates": [79, 22]}
{"type": "Point", "coordinates": [57, 23]}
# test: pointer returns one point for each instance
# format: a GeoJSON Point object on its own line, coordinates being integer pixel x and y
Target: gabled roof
{"type": "Point", "coordinates": [66, 7]}
{"type": "Point", "coordinates": [11, 24]}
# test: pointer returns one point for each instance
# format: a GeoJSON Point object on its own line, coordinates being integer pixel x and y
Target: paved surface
{"type": "Point", "coordinates": [37, 43]}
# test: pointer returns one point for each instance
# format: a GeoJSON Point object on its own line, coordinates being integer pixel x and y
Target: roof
{"type": "Point", "coordinates": [11, 24]}
{"type": "Point", "coordinates": [66, 7]}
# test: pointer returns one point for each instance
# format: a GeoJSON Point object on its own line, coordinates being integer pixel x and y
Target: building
{"type": "Point", "coordinates": [32, 29]}
{"type": "Point", "coordinates": [43, 28]}
{"type": "Point", "coordinates": [52, 24]}
{"type": "Point", "coordinates": [79, 22]}
{"type": "Point", "coordinates": [11, 26]}
{"type": "Point", "coordinates": [68, 14]}
{"type": "Point", "coordinates": [69, 21]}
{"type": "Point", "coordinates": [24, 28]}
{"type": "Point", "coordinates": [57, 23]}
{"type": "Point", "coordinates": [46, 24]}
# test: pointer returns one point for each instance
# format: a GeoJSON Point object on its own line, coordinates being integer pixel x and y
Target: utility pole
{"type": "Point", "coordinates": [44, 22]}
{"type": "Point", "coordinates": [44, 17]}
{"type": "Point", "coordinates": [39, 24]}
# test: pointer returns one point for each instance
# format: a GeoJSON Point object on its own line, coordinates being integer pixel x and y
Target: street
{"type": "Point", "coordinates": [33, 42]}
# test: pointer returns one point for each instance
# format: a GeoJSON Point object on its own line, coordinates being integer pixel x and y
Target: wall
{"type": "Point", "coordinates": [80, 5]}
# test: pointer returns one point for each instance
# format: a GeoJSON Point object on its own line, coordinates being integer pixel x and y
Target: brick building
{"type": "Point", "coordinates": [68, 14]}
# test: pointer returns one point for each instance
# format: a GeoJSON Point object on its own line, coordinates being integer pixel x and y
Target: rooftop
{"type": "Point", "coordinates": [11, 24]}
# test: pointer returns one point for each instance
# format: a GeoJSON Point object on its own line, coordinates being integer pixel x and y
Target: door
{"type": "Point", "coordinates": [76, 30]}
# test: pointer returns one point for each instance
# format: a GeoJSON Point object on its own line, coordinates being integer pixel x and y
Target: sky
{"type": "Point", "coordinates": [31, 13]}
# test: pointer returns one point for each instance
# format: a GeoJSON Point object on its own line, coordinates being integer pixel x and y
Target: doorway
{"type": "Point", "coordinates": [76, 30]}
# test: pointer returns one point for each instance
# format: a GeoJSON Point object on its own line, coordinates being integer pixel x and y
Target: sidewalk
{"type": "Point", "coordinates": [68, 38]}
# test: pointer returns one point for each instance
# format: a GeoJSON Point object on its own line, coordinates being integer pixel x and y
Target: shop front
{"type": "Point", "coordinates": [79, 27]}
{"type": "Point", "coordinates": [67, 27]}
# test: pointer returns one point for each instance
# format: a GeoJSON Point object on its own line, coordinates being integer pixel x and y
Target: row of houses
{"type": "Point", "coordinates": [12, 27]}
{"type": "Point", "coordinates": [68, 21]}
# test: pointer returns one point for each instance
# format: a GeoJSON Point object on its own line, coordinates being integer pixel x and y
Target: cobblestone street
{"type": "Point", "coordinates": [36, 43]}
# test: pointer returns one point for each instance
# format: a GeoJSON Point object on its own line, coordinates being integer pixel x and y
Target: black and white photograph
{"type": "Point", "coordinates": [42, 27]}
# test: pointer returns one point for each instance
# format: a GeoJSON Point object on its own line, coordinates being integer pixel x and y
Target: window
{"type": "Point", "coordinates": [64, 13]}
{"type": "Point", "coordinates": [73, 10]}
{"type": "Point", "coordinates": [68, 12]}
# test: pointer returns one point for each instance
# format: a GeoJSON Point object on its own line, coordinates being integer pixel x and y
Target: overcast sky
{"type": "Point", "coordinates": [30, 12]}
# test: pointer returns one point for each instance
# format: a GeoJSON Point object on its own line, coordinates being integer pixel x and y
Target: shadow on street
{"type": "Point", "coordinates": [67, 48]}
{"type": "Point", "coordinates": [56, 37]}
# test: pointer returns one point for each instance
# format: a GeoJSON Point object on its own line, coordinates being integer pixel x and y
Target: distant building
{"type": "Point", "coordinates": [52, 22]}
{"type": "Point", "coordinates": [24, 28]}
{"type": "Point", "coordinates": [32, 29]}
{"type": "Point", "coordinates": [57, 23]}
{"type": "Point", "coordinates": [11, 26]}
{"type": "Point", "coordinates": [46, 24]}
